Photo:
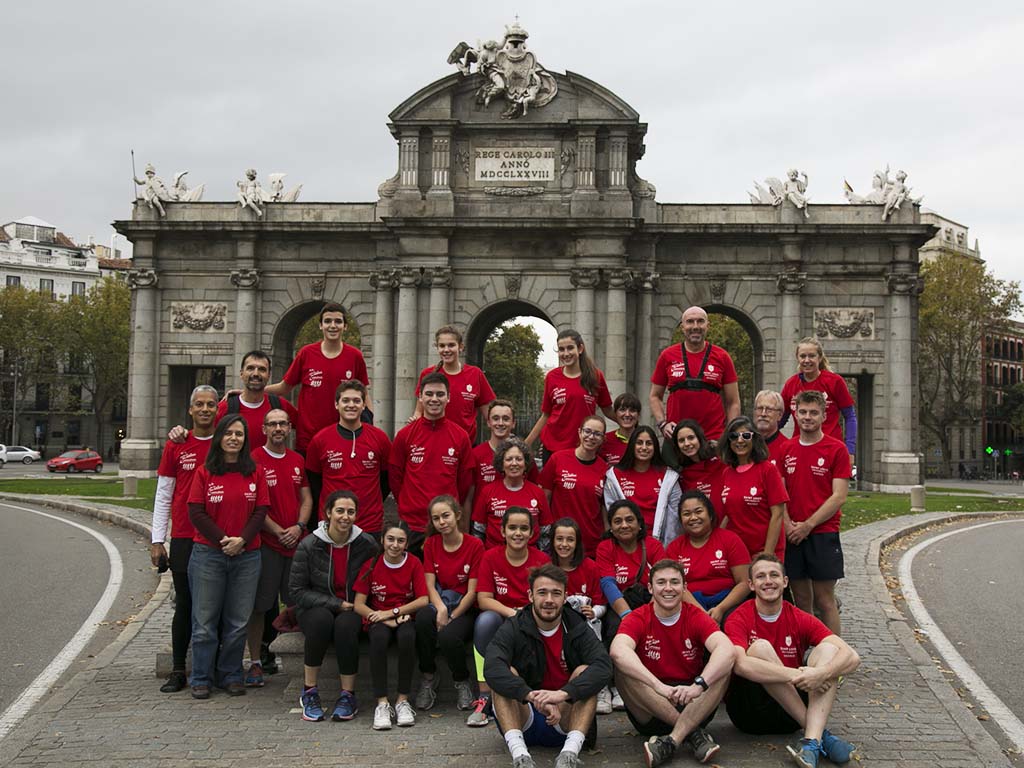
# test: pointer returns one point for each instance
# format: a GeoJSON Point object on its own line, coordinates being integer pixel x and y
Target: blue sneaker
{"type": "Point", "coordinates": [837, 750]}
{"type": "Point", "coordinates": [345, 708]}
{"type": "Point", "coordinates": [805, 754]}
{"type": "Point", "coordinates": [312, 709]}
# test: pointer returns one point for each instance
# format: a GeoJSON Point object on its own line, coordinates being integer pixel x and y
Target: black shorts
{"type": "Point", "coordinates": [657, 727]}
{"type": "Point", "coordinates": [275, 570]}
{"type": "Point", "coordinates": [181, 551]}
{"type": "Point", "coordinates": [752, 709]}
{"type": "Point", "coordinates": [819, 557]}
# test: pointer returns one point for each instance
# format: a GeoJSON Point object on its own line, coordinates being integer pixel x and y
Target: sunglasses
{"type": "Point", "coordinates": [741, 435]}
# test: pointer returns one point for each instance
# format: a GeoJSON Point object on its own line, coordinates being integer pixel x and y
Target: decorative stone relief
{"type": "Point", "coordinates": [462, 158]}
{"type": "Point", "coordinates": [568, 159]}
{"type": "Point", "coordinates": [888, 193]}
{"type": "Point", "coordinates": [844, 323]}
{"type": "Point", "coordinates": [648, 281]}
{"type": "Point", "coordinates": [513, 282]}
{"type": "Point", "coordinates": [441, 277]}
{"type": "Point", "coordinates": [156, 193]}
{"type": "Point", "coordinates": [410, 277]}
{"type": "Point", "coordinates": [641, 189]}
{"type": "Point", "coordinates": [794, 189]}
{"type": "Point", "coordinates": [245, 278]}
{"type": "Point", "coordinates": [388, 187]}
{"type": "Point", "coordinates": [199, 316]}
{"type": "Point", "coordinates": [718, 290]}
{"type": "Point", "coordinates": [317, 286]}
{"type": "Point", "coordinates": [142, 278]}
{"type": "Point", "coordinates": [904, 283]}
{"type": "Point", "coordinates": [620, 278]}
{"type": "Point", "coordinates": [385, 279]}
{"type": "Point", "coordinates": [791, 282]}
{"type": "Point", "coordinates": [514, 191]}
{"type": "Point", "coordinates": [584, 277]}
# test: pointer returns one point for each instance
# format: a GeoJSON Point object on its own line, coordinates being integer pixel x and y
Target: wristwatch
{"type": "Point", "coordinates": [698, 680]}
{"type": "Point", "coordinates": [396, 612]}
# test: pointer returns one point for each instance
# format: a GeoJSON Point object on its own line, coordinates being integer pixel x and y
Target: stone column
{"type": "Point", "coordinates": [406, 360]}
{"type": "Point", "coordinates": [615, 337]}
{"type": "Point", "coordinates": [246, 279]}
{"type": "Point", "coordinates": [440, 282]}
{"type": "Point", "coordinates": [645, 328]}
{"type": "Point", "coordinates": [440, 164]}
{"type": "Point", "coordinates": [586, 156]}
{"type": "Point", "coordinates": [409, 162]}
{"type": "Point", "coordinates": [140, 451]}
{"type": "Point", "coordinates": [790, 283]}
{"type": "Point", "coordinates": [618, 163]}
{"type": "Point", "coordinates": [382, 376]}
{"type": "Point", "coordinates": [584, 280]}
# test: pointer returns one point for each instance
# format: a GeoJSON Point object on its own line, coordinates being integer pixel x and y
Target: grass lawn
{"type": "Point", "coordinates": [106, 488]}
{"type": "Point", "coordinates": [969, 492]}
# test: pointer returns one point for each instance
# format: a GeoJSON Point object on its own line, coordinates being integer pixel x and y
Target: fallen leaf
{"type": "Point", "coordinates": [984, 717]}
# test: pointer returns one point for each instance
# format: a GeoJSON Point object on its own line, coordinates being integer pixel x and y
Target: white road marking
{"type": "Point", "coordinates": [997, 710]}
{"type": "Point", "coordinates": [39, 687]}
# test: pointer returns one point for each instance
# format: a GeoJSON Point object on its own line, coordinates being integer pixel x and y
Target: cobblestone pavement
{"type": "Point", "coordinates": [897, 708]}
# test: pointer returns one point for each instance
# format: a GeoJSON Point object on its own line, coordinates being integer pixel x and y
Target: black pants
{"type": "Point", "coordinates": [454, 640]}
{"type": "Point", "coordinates": [321, 627]}
{"type": "Point", "coordinates": [380, 638]}
{"type": "Point", "coordinates": [181, 623]}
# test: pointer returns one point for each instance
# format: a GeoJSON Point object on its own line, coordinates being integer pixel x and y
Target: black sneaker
{"type": "Point", "coordinates": [175, 682]}
{"type": "Point", "coordinates": [268, 660]}
{"type": "Point", "coordinates": [704, 747]}
{"type": "Point", "coordinates": [658, 750]}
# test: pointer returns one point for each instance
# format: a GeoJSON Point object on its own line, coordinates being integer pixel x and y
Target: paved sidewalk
{"type": "Point", "coordinates": [897, 708]}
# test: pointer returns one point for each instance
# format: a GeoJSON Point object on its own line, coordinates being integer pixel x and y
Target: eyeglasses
{"type": "Point", "coordinates": [741, 435]}
{"type": "Point", "coordinates": [767, 409]}
{"type": "Point", "coordinates": [588, 432]}
{"type": "Point", "coordinates": [274, 424]}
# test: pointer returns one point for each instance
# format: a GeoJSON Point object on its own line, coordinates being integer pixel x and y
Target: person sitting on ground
{"type": "Point", "coordinates": [778, 687]}
{"type": "Point", "coordinates": [545, 668]}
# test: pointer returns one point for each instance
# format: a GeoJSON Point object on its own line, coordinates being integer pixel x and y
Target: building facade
{"type": "Point", "coordinates": [1003, 366]}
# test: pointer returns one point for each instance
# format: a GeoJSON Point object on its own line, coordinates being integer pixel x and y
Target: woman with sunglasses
{"type": "Point", "coordinates": [641, 475]}
{"type": "Point", "coordinates": [752, 492]}
{"type": "Point", "coordinates": [694, 456]}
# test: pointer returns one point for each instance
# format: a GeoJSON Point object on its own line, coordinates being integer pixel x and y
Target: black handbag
{"type": "Point", "coordinates": [637, 593]}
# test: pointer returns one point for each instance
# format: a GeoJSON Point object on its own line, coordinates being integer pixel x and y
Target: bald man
{"type": "Point", "coordinates": [700, 379]}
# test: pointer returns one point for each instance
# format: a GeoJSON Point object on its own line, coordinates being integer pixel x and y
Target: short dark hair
{"type": "Point", "coordinates": [758, 448]}
{"type": "Point", "coordinates": [259, 354]}
{"type": "Point", "coordinates": [350, 384]}
{"type": "Point", "coordinates": [516, 511]}
{"type": "Point", "coordinates": [332, 307]}
{"type": "Point", "coordinates": [504, 446]}
{"type": "Point", "coordinates": [501, 403]}
{"type": "Point", "coordinates": [768, 557]}
{"type": "Point", "coordinates": [632, 507]}
{"type": "Point", "coordinates": [627, 400]}
{"type": "Point", "coordinates": [435, 377]}
{"type": "Point", "coordinates": [548, 571]}
{"type": "Point", "coordinates": [700, 496]}
{"type": "Point", "coordinates": [329, 501]}
{"type": "Point", "coordinates": [812, 396]}
{"type": "Point", "coordinates": [667, 563]}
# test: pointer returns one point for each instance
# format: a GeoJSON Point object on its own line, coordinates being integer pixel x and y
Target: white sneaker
{"type": "Point", "coordinates": [405, 715]}
{"type": "Point", "coordinates": [604, 701]}
{"type": "Point", "coordinates": [617, 704]}
{"type": "Point", "coordinates": [382, 717]}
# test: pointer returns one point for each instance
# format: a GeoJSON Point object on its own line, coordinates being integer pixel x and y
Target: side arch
{"type": "Point", "coordinates": [752, 330]}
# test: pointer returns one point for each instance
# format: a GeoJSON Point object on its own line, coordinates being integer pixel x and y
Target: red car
{"type": "Point", "coordinates": [76, 461]}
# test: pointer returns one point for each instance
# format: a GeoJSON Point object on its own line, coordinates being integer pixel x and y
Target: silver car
{"type": "Point", "coordinates": [22, 454]}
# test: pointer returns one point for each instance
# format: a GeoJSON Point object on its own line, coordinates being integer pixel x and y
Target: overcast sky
{"type": "Point", "coordinates": [731, 91]}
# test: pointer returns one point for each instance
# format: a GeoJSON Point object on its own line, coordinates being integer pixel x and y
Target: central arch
{"type": "Point", "coordinates": [490, 317]}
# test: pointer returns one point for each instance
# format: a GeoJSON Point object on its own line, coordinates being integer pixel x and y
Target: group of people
{"type": "Point", "coordinates": [639, 568]}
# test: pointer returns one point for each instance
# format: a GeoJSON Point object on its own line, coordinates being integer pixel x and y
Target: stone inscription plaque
{"type": "Point", "coordinates": [503, 164]}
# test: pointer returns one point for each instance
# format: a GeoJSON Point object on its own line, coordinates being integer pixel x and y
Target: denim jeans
{"type": "Point", "coordinates": [223, 593]}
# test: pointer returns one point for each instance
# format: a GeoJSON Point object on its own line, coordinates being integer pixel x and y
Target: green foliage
{"type": "Point", "coordinates": [30, 341]}
{"type": "Point", "coordinates": [1012, 408]}
{"type": "Point", "coordinates": [310, 333]}
{"type": "Point", "coordinates": [510, 360]}
{"type": "Point", "coordinates": [728, 334]}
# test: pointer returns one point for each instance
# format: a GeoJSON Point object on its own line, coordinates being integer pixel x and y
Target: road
{"type": "Point", "coordinates": [15, 469]}
{"type": "Point", "coordinates": [53, 575]}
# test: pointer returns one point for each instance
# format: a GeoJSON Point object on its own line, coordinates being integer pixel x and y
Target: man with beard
{"type": "Point", "coordinates": [254, 403]}
{"type": "Point", "coordinates": [768, 410]}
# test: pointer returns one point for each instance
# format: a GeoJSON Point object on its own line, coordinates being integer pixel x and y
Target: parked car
{"type": "Point", "coordinates": [3, 455]}
{"type": "Point", "coordinates": [22, 454]}
{"type": "Point", "coordinates": [76, 461]}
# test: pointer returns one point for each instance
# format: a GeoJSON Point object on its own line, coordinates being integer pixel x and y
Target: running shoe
{"type": "Point", "coordinates": [345, 708]}
{"type": "Point", "coordinates": [254, 676]}
{"type": "Point", "coordinates": [523, 761]}
{"type": "Point", "coordinates": [234, 688]}
{"type": "Point", "coordinates": [568, 760]}
{"type": "Point", "coordinates": [617, 703]}
{"type": "Point", "coordinates": [176, 681]}
{"type": "Point", "coordinates": [312, 709]}
{"type": "Point", "coordinates": [405, 715]}
{"type": "Point", "coordinates": [382, 717]}
{"type": "Point", "coordinates": [658, 750]}
{"type": "Point", "coordinates": [479, 716]}
{"type": "Point", "coordinates": [463, 695]}
{"type": "Point", "coordinates": [200, 692]}
{"type": "Point", "coordinates": [837, 750]}
{"type": "Point", "coordinates": [805, 754]}
{"type": "Point", "coordinates": [703, 746]}
{"type": "Point", "coordinates": [604, 701]}
{"type": "Point", "coordinates": [427, 694]}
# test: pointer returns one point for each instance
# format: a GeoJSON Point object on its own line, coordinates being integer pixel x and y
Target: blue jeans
{"type": "Point", "coordinates": [223, 593]}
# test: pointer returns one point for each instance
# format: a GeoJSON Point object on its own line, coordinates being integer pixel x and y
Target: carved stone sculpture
{"type": "Point", "coordinates": [879, 182]}
{"type": "Point", "coordinates": [388, 187]}
{"type": "Point", "coordinates": [251, 194]}
{"type": "Point", "coordinates": [245, 278]}
{"type": "Point", "coordinates": [142, 278]}
{"type": "Point", "coordinates": [794, 189]}
{"type": "Point", "coordinates": [513, 282]}
{"type": "Point", "coordinates": [844, 323]}
{"type": "Point", "coordinates": [277, 193]}
{"type": "Point", "coordinates": [154, 191]}
{"type": "Point", "coordinates": [182, 193]}
{"type": "Point", "coordinates": [198, 316]}
{"type": "Point", "coordinates": [897, 194]}
{"type": "Point", "coordinates": [886, 192]}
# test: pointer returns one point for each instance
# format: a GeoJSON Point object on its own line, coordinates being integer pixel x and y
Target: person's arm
{"type": "Point", "coordinates": [433, 593]}
{"type": "Point", "coordinates": [535, 432]}
{"type": "Point", "coordinates": [486, 602]}
{"type": "Point", "coordinates": [162, 509]}
{"type": "Point", "coordinates": [654, 401]}
{"type": "Point", "coordinates": [845, 661]}
{"type": "Point", "coordinates": [800, 531]}
{"type": "Point", "coordinates": [360, 606]}
{"type": "Point", "coordinates": [413, 605]}
{"type": "Point", "coordinates": [203, 523]}
{"type": "Point", "coordinates": [281, 388]}
{"type": "Point", "coordinates": [771, 539]}
{"type": "Point", "coordinates": [736, 596]}
{"type": "Point", "coordinates": [498, 662]}
{"type": "Point", "coordinates": [609, 412]}
{"type": "Point", "coordinates": [623, 653]}
{"type": "Point", "coordinates": [731, 398]}
{"type": "Point", "coordinates": [467, 602]}
{"type": "Point", "coordinates": [599, 670]}
{"type": "Point", "coordinates": [301, 587]}
{"type": "Point", "coordinates": [850, 431]}
{"type": "Point", "coordinates": [613, 595]}
{"type": "Point", "coordinates": [718, 667]}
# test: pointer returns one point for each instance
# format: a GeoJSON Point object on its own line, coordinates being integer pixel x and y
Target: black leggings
{"type": "Point", "coordinates": [181, 624]}
{"type": "Point", "coordinates": [453, 641]}
{"type": "Point", "coordinates": [380, 638]}
{"type": "Point", "coordinates": [320, 627]}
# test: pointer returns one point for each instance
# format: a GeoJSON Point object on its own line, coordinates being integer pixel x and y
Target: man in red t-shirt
{"type": "Point", "coordinates": [291, 505]}
{"type": "Point", "coordinates": [816, 469]}
{"type": "Point", "coordinates": [670, 693]}
{"type": "Point", "coordinates": [701, 383]}
{"type": "Point", "coordinates": [777, 686]}
{"type": "Point", "coordinates": [320, 368]}
{"type": "Point", "coordinates": [545, 668]}
{"type": "Point", "coordinates": [768, 411]}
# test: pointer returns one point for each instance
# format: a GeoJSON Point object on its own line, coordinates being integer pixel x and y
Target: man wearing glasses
{"type": "Point", "coordinates": [768, 410]}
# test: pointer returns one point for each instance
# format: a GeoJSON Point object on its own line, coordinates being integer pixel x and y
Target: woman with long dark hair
{"type": "Point", "coordinates": [694, 455]}
{"type": "Point", "coordinates": [227, 506]}
{"type": "Point", "coordinates": [641, 475]}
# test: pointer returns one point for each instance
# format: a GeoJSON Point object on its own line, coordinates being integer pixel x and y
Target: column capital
{"type": "Point", "coordinates": [648, 281]}
{"type": "Point", "coordinates": [620, 278]}
{"type": "Point", "coordinates": [384, 279]}
{"type": "Point", "coordinates": [142, 278]}
{"type": "Point", "coordinates": [791, 282]}
{"type": "Point", "coordinates": [904, 283]}
{"type": "Point", "coordinates": [584, 277]}
{"type": "Point", "coordinates": [245, 278]}
{"type": "Point", "coordinates": [410, 277]}
{"type": "Point", "coordinates": [440, 277]}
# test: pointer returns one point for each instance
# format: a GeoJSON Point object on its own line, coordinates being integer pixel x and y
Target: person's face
{"type": "Point", "coordinates": [548, 598]}
{"type": "Point", "coordinates": [625, 527]}
{"type": "Point", "coordinates": [332, 325]}
{"type": "Point", "coordinates": [203, 410]}
{"type": "Point", "coordinates": [513, 464]}
{"type": "Point", "coordinates": [568, 353]}
{"type": "Point", "coordinates": [342, 516]}
{"type": "Point", "coordinates": [564, 542]}
{"type": "Point", "coordinates": [688, 442]}
{"type": "Point", "coordinates": [233, 439]}
{"type": "Point", "coordinates": [741, 440]}
{"type": "Point", "coordinates": [807, 358]}
{"type": "Point", "coordinates": [592, 435]}
{"type": "Point", "coordinates": [255, 373]}
{"type": "Point", "coordinates": [394, 543]}
{"type": "Point", "coordinates": [501, 421]}
{"type": "Point", "coordinates": [277, 428]}
{"type": "Point", "coordinates": [667, 589]}
{"type": "Point", "coordinates": [627, 417]}
{"type": "Point", "coordinates": [350, 405]}
{"type": "Point", "coordinates": [434, 398]}
{"type": "Point", "coordinates": [766, 416]}
{"type": "Point", "coordinates": [809, 417]}
{"type": "Point", "coordinates": [695, 518]}
{"type": "Point", "coordinates": [768, 581]}
{"type": "Point", "coordinates": [517, 531]}
{"type": "Point", "coordinates": [448, 348]}
{"type": "Point", "coordinates": [444, 519]}
{"type": "Point", "coordinates": [643, 448]}
{"type": "Point", "coordinates": [695, 326]}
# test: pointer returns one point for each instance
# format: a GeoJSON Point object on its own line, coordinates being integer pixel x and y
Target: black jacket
{"type": "Point", "coordinates": [518, 644]}
{"type": "Point", "coordinates": [312, 576]}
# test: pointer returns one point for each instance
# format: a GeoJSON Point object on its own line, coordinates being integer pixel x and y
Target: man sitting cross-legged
{"type": "Point", "coordinates": [774, 689]}
{"type": "Point", "coordinates": [545, 668]}
{"type": "Point", "coordinates": [669, 692]}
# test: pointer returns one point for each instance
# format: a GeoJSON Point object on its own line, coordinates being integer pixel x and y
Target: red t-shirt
{"type": "Point", "coordinates": [613, 560]}
{"type": "Point", "coordinates": [339, 573]}
{"type": "Point", "coordinates": [452, 570]}
{"type": "Point", "coordinates": [180, 461]}
{"type": "Point", "coordinates": [837, 396]}
{"type": "Point", "coordinates": [330, 453]}
{"type": "Point", "coordinates": [777, 447]}
{"type": "Point", "coordinates": [577, 491]}
{"type": "Point", "coordinates": [556, 673]}
{"type": "Point", "coordinates": [508, 584]}
{"type": "Point", "coordinates": [704, 476]}
{"type": "Point", "coordinates": [613, 448]}
{"type": "Point", "coordinates": [790, 635]}
{"type": "Point", "coordinates": [809, 472]}
{"type": "Point", "coordinates": [709, 567]}
{"type": "Point", "coordinates": [254, 417]}
{"type": "Point", "coordinates": [489, 507]}
{"type": "Point", "coordinates": [467, 391]}
{"type": "Point", "coordinates": [387, 586]}
{"type": "Point", "coordinates": [703, 405]}
{"type": "Point", "coordinates": [567, 404]}
{"type": "Point", "coordinates": [747, 498]}
{"type": "Point", "coordinates": [642, 488]}
{"type": "Point", "coordinates": [285, 481]}
{"type": "Point", "coordinates": [585, 580]}
{"type": "Point", "coordinates": [319, 377]}
{"type": "Point", "coordinates": [429, 458]}
{"type": "Point", "coordinates": [229, 500]}
{"type": "Point", "coordinates": [484, 471]}
{"type": "Point", "coordinates": [673, 654]}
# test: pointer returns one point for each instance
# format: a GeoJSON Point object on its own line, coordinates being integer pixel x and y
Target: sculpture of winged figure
{"type": "Point", "coordinates": [277, 193]}
{"type": "Point", "coordinates": [879, 183]}
{"type": "Point", "coordinates": [794, 189]}
{"type": "Point", "coordinates": [896, 194]}
{"type": "Point", "coordinates": [251, 194]}
{"type": "Point", "coordinates": [182, 193]}
{"type": "Point", "coordinates": [154, 191]}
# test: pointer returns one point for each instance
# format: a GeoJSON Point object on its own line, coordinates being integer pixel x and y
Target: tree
{"type": "Point", "coordinates": [510, 359]}
{"type": "Point", "coordinates": [960, 303]}
{"type": "Point", "coordinates": [728, 334]}
{"type": "Point", "coordinates": [1012, 408]}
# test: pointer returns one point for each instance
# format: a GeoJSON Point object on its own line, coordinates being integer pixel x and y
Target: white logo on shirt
{"type": "Point", "coordinates": [753, 490]}
{"type": "Point", "coordinates": [821, 462]}
{"type": "Point", "coordinates": [451, 451]}
{"type": "Point", "coordinates": [469, 387]}
{"type": "Point", "coordinates": [315, 378]}
{"type": "Point", "coordinates": [369, 454]}
{"type": "Point", "coordinates": [718, 554]}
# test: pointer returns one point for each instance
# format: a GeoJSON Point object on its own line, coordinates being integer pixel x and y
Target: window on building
{"type": "Point", "coordinates": [77, 288]}
{"type": "Point", "coordinates": [42, 397]}
{"type": "Point", "coordinates": [13, 281]}
{"type": "Point", "coordinates": [74, 432]}
{"type": "Point", "coordinates": [46, 286]}
{"type": "Point", "coordinates": [74, 397]}
{"type": "Point", "coordinates": [24, 232]}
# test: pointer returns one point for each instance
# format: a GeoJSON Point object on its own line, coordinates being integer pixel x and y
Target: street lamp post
{"type": "Point", "coordinates": [14, 406]}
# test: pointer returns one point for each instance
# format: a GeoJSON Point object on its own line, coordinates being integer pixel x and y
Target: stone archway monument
{"type": "Point", "coordinates": [518, 185]}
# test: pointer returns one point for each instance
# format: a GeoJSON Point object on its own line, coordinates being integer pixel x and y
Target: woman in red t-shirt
{"type": "Point", "coordinates": [469, 391]}
{"type": "Point", "coordinates": [694, 455]}
{"type": "Point", "coordinates": [753, 496]}
{"type": "Point", "coordinates": [627, 416]}
{"type": "Point", "coordinates": [642, 476]}
{"type": "Point", "coordinates": [451, 560]}
{"type": "Point", "coordinates": [715, 559]}
{"type": "Point", "coordinates": [389, 591]}
{"type": "Point", "coordinates": [624, 558]}
{"type": "Point", "coordinates": [572, 392]}
{"type": "Point", "coordinates": [512, 458]}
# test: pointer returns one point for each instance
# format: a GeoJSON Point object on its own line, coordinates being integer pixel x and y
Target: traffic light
{"type": "Point", "coordinates": [989, 450]}
{"type": "Point", "coordinates": [1008, 451]}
